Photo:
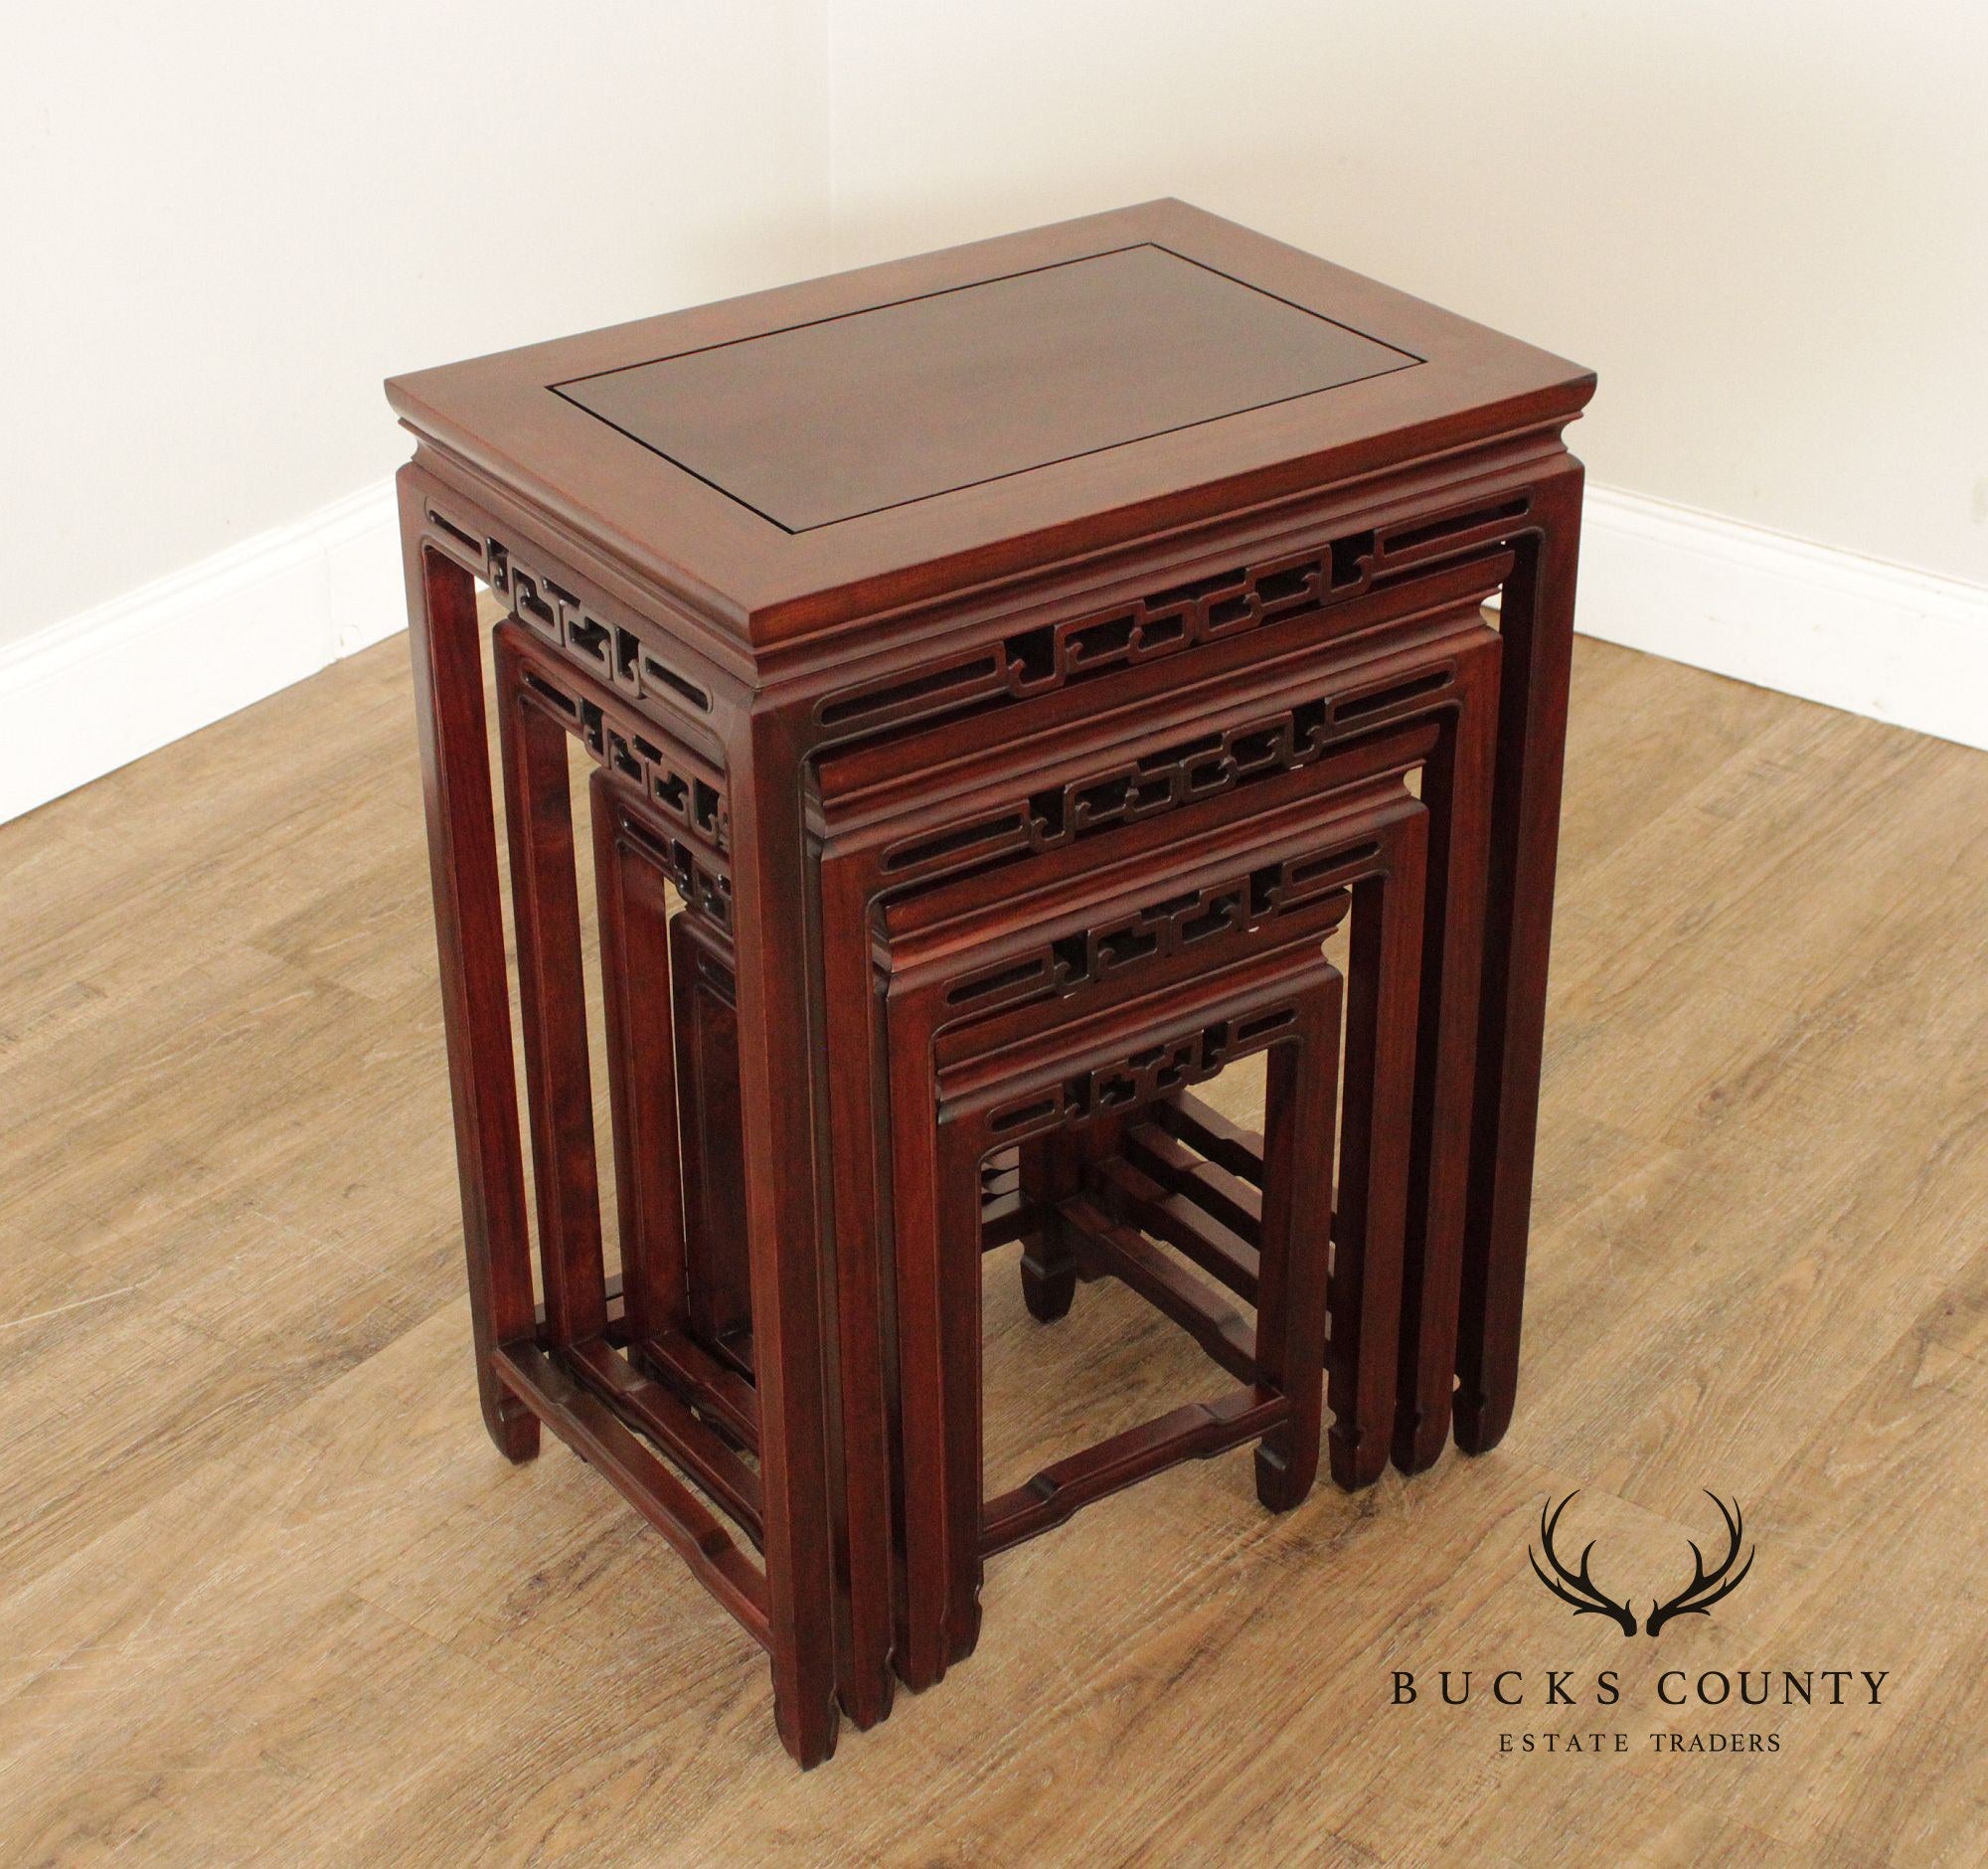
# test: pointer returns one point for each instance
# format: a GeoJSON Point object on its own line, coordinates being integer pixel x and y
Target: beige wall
{"type": "Point", "coordinates": [226, 222]}
{"type": "Point", "coordinates": [1764, 222]}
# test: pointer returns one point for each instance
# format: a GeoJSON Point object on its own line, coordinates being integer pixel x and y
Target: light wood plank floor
{"type": "Point", "coordinates": [267, 1591]}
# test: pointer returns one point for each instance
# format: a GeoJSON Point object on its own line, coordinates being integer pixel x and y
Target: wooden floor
{"type": "Point", "coordinates": [267, 1592]}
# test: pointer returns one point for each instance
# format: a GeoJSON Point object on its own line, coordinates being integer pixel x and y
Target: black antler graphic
{"type": "Point", "coordinates": [1687, 1601]}
{"type": "Point", "coordinates": [1579, 1589]}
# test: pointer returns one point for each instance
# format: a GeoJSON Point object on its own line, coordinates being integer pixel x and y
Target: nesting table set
{"type": "Point", "coordinates": [1003, 672]}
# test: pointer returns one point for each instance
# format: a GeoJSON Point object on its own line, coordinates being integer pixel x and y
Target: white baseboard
{"type": "Point", "coordinates": [189, 649]}
{"type": "Point", "coordinates": [1851, 632]}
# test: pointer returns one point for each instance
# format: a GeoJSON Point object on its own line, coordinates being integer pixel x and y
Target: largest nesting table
{"type": "Point", "coordinates": [1051, 476]}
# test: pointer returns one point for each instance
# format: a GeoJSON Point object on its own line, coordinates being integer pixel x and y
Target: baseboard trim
{"type": "Point", "coordinates": [185, 651]}
{"type": "Point", "coordinates": [1852, 632]}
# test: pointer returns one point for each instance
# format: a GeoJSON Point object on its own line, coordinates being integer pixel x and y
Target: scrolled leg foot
{"type": "Point", "coordinates": [808, 1731]}
{"type": "Point", "coordinates": [513, 1427]}
{"type": "Point", "coordinates": [1481, 1420]}
{"type": "Point", "coordinates": [1358, 1460]}
{"type": "Point", "coordinates": [1420, 1439]}
{"type": "Point", "coordinates": [1280, 1485]}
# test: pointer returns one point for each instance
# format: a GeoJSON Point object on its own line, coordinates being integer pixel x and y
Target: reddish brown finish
{"type": "Point", "coordinates": [1538, 630]}
{"type": "Point", "coordinates": [590, 1392]}
{"type": "Point", "coordinates": [551, 997]}
{"type": "Point", "coordinates": [1441, 664]}
{"type": "Point", "coordinates": [1025, 1082]}
{"type": "Point", "coordinates": [1456, 787]}
{"type": "Point", "coordinates": [703, 978]}
{"type": "Point", "coordinates": [1193, 1431]}
{"type": "Point", "coordinates": [636, 974]}
{"type": "Point", "coordinates": [1084, 938]}
{"type": "Point", "coordinates": [1373, 1191]}
{"type": "Point", "coordinates": [747, 582]}
{"type": "Point", "coordinates": [797, 1424]}
{"type": "Point", "coordinates": [597, 1433]}
{"type": "Point", "coordinates": [1094, 352]}
{"type": "Point", "coordinates": [475, 993]}
{"type": "Point", "coordinates": [1046, 623]}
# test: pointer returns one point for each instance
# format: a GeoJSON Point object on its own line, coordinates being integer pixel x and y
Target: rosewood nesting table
{"type": "Point", "coordinates": [749, 548]}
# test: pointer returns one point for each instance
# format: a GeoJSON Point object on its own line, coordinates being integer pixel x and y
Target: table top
{"type": "Point", "coordinates": [801, 457]}
{"type": "Point", "coordinates": [829, 420]}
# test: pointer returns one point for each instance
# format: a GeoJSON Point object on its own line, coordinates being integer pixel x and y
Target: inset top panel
{"type": "Point", "coordinates": [829, 420]}
{"type": "Point", "coordinates": [785, 468]}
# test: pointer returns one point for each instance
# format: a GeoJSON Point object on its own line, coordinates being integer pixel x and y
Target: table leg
{"type": "Point", "coordinates": [720, 1296]}
{"type": "Point", "coordinates": [1538, 630]}
{"type": "Point", "coordinates": [784, 1244]}
{"type": "Point", "coordinates": [476, 991]}
{"type": "Point", "coordinates": [1052, 1170]}
{"type": "Point", "coordinates": [551, 994]}
{"type": "Point", "coordinates": [1298, 1119]}
{"type": "Point", "coordinates": [1384, 974]}
{"type": "Point", "coordinates": [638, 977]}
{"type": "Point", "coordinates": [1456, 788]}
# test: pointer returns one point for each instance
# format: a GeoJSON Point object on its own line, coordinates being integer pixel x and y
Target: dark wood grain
{"type": "Point", "coordinates": [1538, 630]}
{"type": "Point", "coordinates": [703, 979]}
{"type": "Point", "coordinates": [476, 992]}
{"type": "Point", "coordinates": [747, 578]}
{"type": "Point", "coordinates": [1075, 554]}
{"type": "Point", "coordinates": [1024, 1073]}
{"type": "Point", "coordinates": [930, 395]}
{"type": "Point", "coordinates": [552, 1004]}
{"type": "Point", "coordinates": [642, 1040]}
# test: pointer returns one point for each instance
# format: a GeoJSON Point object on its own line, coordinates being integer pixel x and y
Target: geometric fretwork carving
{"type": "Point", "coordinates": [672, 782]}
{"type": "Point", "coordinates": [1207, 610]}
{"type": "Point", "coordinates": [1155, 782]}
{"type": "Point", "coordinates": [1153, 1071]}
{"type": "Point", "coordinates": [704, 889]}
{"type": "Point", "coordinates": [679, 786]}
{"type": "Point", "coordinates": [606, 650]}
{"type": "Point", "coordinates": [1157, 930]}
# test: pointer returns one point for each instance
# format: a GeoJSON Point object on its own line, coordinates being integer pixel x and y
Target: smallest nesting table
{"type": "Point", "coordinates": [949, 576]}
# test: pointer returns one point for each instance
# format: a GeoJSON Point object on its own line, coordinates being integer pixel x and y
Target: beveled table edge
{"type": "Point", "coordinates": [779, 595]}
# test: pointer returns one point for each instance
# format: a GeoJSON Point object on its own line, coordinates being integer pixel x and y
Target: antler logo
{"type": "Point", "coordinates": [1706, 1587]}
{"type": "Point", "coordinates": [1580, 1590]}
